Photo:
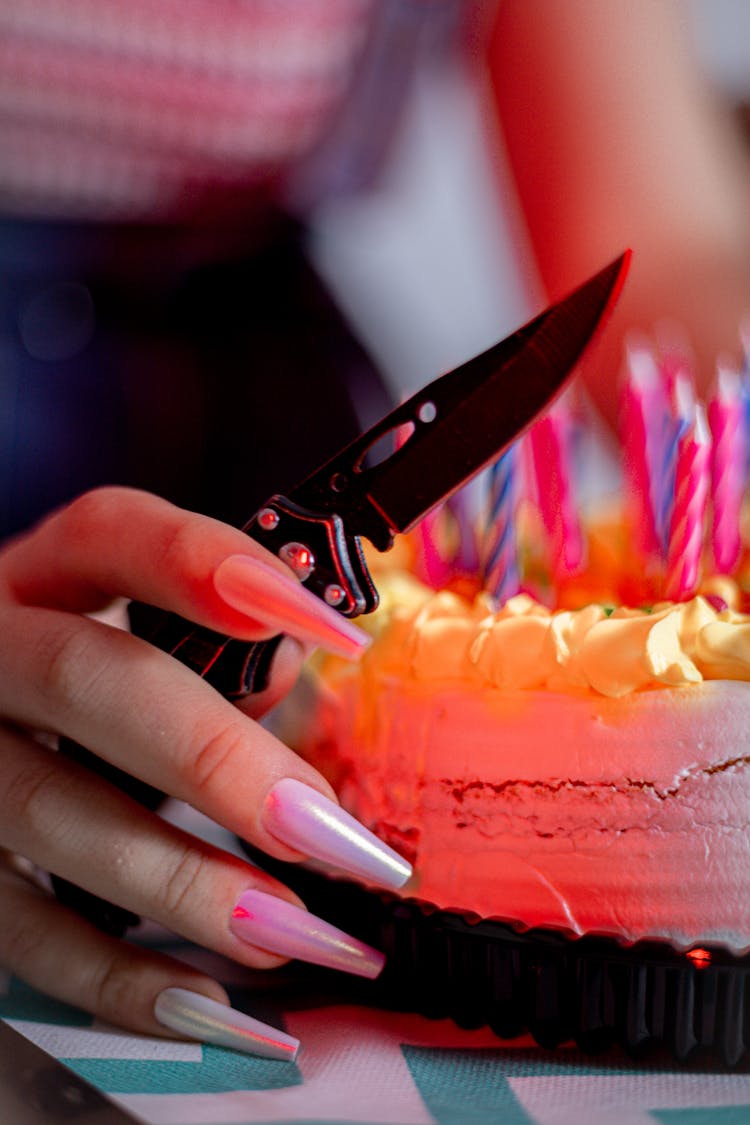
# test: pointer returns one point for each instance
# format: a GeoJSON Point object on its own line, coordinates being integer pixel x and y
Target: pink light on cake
{"type": "Point", "coordinates": [701, 958]}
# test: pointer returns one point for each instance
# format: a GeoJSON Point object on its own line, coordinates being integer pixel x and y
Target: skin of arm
{"type": "Point", "coordinates": [615, 138]}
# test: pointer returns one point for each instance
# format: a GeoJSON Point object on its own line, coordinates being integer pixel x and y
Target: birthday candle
{"type": "Point", "coordinates": [726, 421]}
{"type": "Point", "coordinates": [642, 413]}
{"type": "Point", "coordinates": [680, 399]}
{"type": "Point", "coordinates": [745, 390]}
{"type": "Point", "coordinates": [745, 398]}
{"type": "Point", "coordinates": [550, 442]}
{"type": "Point", "coordinates": [745, 343]}
{"type": "Point", "coordinates": [433, 565]}
{"type": "Point", "coordinates": [462, 509]}
{"type": "Point", "coordinates": [686, 530]}
{"type": "Point", "coordinates": [500, 553]}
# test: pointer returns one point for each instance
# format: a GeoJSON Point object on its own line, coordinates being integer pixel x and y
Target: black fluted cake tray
{"type": "Point", "coordinates": [559, 988]}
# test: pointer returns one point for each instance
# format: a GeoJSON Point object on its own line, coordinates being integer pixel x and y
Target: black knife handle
{"type": "Point", "coordinates": [316, 548]}
{"type": "Point", "coordinates": [329, 562]}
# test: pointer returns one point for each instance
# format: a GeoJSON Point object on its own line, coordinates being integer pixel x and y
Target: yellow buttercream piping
{"type": "Point", "coordinates": [523, 645]}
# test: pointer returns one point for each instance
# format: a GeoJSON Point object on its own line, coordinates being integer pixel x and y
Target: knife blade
{"type": "Point", "coordinates": [462, 421]}
{"type": "Point", "coordinates": [459, 424]}
{"type": "Point", "coordinates": [35, 1087]}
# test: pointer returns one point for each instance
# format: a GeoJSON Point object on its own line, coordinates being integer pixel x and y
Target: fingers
{"type": "Point", "coordinates": [120, 542]}
{"type": "Point", "coordinates": [67, 821]}
{"type": "Point", "coordinates": [119, 983]}
{"type": "Point", "coordinates": [81, 678]}
{"type": "Point", "coordinates": [63, 818]}
{"type": "Point", "coordinates": [68, 674]}
{"type": "Point", "coordinates": [38, 936]}
{"type": "Point", "coordinates": [141, 710]}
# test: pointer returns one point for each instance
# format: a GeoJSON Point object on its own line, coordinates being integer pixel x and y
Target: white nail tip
{"type": "Point", "coordinates": [200, 1017]}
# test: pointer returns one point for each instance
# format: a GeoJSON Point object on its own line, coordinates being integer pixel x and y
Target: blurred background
{"type": "Point", "coordinates": [231, 232]}
{"type": "Point", "coordinates": [436, 264]}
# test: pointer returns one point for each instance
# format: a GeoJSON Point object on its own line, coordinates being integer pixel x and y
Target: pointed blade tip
{"type": "Point", "coordinates": [620, 267]}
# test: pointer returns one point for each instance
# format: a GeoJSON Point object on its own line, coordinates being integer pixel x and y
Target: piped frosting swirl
{"type": "Point", "coordinates": [430, 636]}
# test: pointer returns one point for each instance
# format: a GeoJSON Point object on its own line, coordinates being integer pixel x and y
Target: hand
{"type": "Point", "coordinates": [616, 138]}
{"type": "Point", "coordinates": [64, 673]}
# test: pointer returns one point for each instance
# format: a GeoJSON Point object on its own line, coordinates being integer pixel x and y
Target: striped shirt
{"type": "Point", "coordinates": [130, 109]}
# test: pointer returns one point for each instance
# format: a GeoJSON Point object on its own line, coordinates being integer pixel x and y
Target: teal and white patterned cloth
{"type": "Point", "coordinates": [367, 1066]}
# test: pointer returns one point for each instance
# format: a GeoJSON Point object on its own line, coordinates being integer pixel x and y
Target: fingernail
{"type": "Point", "coordinates": [279, 927]}
{"type": "Point", "coordinates": [282, 603]}
{"type": "Point", "coordinates": [301, 817]}
{"type": "Point", "coordinates": [200, 1017]}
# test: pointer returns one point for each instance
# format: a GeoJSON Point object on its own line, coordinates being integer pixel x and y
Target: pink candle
{"type": "Point", "coordinates": [643, 412]}
{"type": "Point", "coordinates": [726, 422]}
{"type": "Point", "coordinates": [687, 525]}
{"type": "Point", "coordinates": [550, 441]}
{"type": "Point", "coordinates": [434, 562]}
{"type": "Point", "coordinates": [680, 391]}
{"type": "Point", "coordinates": [677, 370]}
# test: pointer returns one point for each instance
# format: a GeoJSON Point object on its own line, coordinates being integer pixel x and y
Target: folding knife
{"type": "Point", "coordinates": [456, 426]}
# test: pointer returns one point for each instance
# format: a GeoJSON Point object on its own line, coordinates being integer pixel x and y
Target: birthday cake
{"type": "Point", "coordinates": [553, 726]}
{"type": "Point", "coordinates": [577, 769]}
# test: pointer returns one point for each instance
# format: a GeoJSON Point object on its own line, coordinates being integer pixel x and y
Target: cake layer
{"type": "Point", "coordinates": [624, 816]}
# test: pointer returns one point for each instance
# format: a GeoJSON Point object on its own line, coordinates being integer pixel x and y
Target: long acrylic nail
{"type": "Point", "coordinates": [303, 818]}
{"type": "Point", "coordinates": [279, 927]}
{"type": "Point", "coordinates": [263, 593]}
{"type": "Point", "coordinates": [200, 1017]}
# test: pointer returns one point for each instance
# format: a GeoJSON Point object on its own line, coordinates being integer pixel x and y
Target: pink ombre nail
{"type": "Point", "coordinates": [263, 593]}
{"type": "Point", "coordinates": [301, 817]}
{"type": "Point", "coordinates": [279, 927]}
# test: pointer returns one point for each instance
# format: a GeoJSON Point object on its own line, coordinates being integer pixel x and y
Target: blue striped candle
{"type": "Point", "coordinates": [500, 555]}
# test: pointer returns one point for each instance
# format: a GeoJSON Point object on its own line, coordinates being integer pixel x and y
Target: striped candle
{"type": "Point", "coordinates": [680, 400]}
{"type": "Point", "coordinates": [500, 567]}
{"type": "Point", "coordinates": [550, 441]}
{"type": "Point", "coordinates": [433, 564]}
{"type": "Point", "coordinates": [462, 508]}
{"type": "Point", "coordinates": [643, 409]}
{"type": "Point", "coordinates": [687, 523]}
{"type": "Point", "coordinates": [726, 418]}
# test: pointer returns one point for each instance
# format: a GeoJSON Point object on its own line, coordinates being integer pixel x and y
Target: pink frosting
{"type": "Point", "coordinates": [570, 770]}
{"type": "Point", "coordinates": [625, 817]}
